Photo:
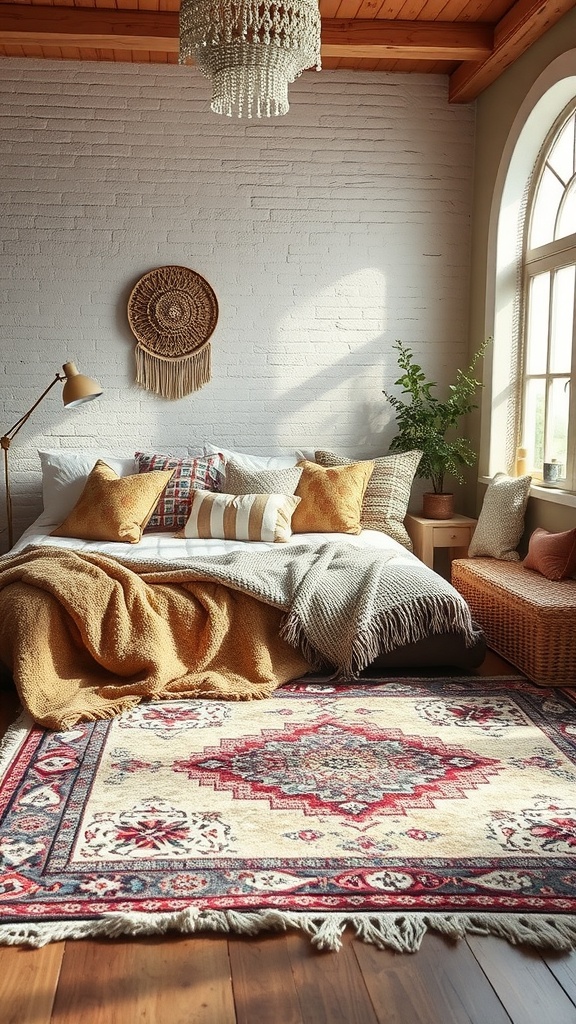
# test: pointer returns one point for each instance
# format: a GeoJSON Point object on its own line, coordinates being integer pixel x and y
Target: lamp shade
{"type": "Point", "coordinates": [78, 388]}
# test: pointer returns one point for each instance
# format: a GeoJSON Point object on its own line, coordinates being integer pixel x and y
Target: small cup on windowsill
{"type": "Point", "coordinates": [552, 472]}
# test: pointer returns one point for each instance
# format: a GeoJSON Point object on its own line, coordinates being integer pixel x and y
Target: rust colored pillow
{"type": "Point", "coordinates": [552, 554]}
{"type": "Point", "coordinates": [331, 497]}
{"type": "Point", "coordinates": [113, 507]}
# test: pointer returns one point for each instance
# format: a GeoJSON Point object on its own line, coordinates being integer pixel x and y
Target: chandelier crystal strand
{"type": "Point", "coordinates": [250, 50]}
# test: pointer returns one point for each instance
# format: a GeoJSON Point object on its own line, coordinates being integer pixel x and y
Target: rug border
{"type": "Point", "coordinates": [400, 932]}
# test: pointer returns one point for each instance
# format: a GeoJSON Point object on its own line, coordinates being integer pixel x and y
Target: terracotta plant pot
{"type": "Point", "coordinates": [437, 506]}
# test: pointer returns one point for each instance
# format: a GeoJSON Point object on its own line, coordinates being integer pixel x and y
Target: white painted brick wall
{"type": "Point", "coordinates": [325, 234]}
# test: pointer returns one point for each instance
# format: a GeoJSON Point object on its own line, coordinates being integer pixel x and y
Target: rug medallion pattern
{"type": "Point", "coordinates": [449, 795]}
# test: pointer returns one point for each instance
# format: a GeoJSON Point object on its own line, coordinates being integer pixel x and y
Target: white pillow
{"type": "Point", "coordinates": [501, 520]}
{"type": "Point", "coordinates": [265, 517]}
{"type": "Point", "coordinates": [64, 475]}
{"type": "Point", "coordinates": [258, 462]}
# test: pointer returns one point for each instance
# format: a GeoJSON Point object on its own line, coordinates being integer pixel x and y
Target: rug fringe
{"type": "Point", "coordinates": [13, 739]}
{"type": "Point", "coordinates": [402, 933]}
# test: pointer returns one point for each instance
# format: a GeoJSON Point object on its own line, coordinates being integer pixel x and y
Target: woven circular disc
{"type": "Point", "coordinates": [172, 311]}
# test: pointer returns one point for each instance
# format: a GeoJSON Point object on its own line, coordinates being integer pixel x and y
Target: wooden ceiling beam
{"type": "Point", "coordinates": [482, 51]}
{"type": "Point", "coordinates": [104, 28]}
{"type": "Point", "coordinates": [412, 40]}
{"type": "Point", "coordinates": [513, 35]}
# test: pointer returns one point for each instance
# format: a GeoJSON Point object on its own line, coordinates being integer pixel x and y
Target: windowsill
{"type": "Point", "coordinates": [551, 494]}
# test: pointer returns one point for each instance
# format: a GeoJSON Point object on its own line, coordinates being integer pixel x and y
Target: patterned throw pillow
{"type": "Point", "coordinates": [331, 498]}
{"type": "Point", "coordinates": [112, 507]}
{"type": "Point", "coordinates": [264, 517]}
{"type": "Point", "coordinates": [501, 520]}
{"type": "Point", "coordinates": [387, 494]}
{"type": "Point", "coordinates": [264, 481]}
{"type": "Point", "coordinates": [552, 554]}
{"type": "Point", "coordinates": [203, 471]}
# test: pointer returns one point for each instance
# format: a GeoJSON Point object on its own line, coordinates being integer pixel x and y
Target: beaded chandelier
{"type": "Point", "coordinates": [251, 50]}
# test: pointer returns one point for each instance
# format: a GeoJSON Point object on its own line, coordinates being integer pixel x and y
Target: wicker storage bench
{"type": "Point", "coordinates": [526, 618]}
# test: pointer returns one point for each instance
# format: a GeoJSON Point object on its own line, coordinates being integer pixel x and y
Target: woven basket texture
{"type": "Point", "coordinates": [172, 311]}
{"type": "Point", "coordinates": [526, 618]}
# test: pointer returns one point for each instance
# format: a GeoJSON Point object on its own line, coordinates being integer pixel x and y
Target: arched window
{"type": "Point", "coordinates": [548, 311]}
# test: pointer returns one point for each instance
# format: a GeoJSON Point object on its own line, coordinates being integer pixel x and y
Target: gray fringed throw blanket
{"type": "Point", "coordinates": [87, 636]}
{"type": "Point", "coordinates": [343, 605]}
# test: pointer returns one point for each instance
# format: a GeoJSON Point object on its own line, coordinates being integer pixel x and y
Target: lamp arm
{"type": "Point", "coordinates": [8, 495]}
{"type": "Point", "coordinates": [5, 444]}
{"type": "Point", "coordinates": [11, 433]}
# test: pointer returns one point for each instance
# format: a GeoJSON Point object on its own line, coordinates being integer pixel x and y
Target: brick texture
{"type": "Point", "coordinates": [325, 234]}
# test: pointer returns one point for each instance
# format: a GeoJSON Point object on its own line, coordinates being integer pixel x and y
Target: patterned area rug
{"type": "Point", "coordinates": [390, 806]}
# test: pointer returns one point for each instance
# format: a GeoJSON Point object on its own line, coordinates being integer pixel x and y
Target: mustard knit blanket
{"type": "Point", "coordinates": [87, 636]}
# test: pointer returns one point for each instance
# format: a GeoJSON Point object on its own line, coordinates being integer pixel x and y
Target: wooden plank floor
{"type": "Point", "coordinates": [282, 979]}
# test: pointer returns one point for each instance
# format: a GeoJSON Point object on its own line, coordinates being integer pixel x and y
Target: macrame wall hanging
{"type": "Point", "coordinates": [172, 312]}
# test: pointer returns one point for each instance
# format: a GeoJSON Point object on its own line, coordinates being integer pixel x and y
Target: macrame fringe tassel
{"type": "Point", "coordinates": [400, 932]}
{"type": "Point", "coordinates": [173, 378]}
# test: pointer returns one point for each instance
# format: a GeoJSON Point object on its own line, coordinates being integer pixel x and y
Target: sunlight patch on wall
{"type": "Point", "coordinates": [337, 369]}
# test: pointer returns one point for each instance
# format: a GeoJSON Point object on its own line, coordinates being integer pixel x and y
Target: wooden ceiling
{"type": "Point", "coordinates": [471, 41]}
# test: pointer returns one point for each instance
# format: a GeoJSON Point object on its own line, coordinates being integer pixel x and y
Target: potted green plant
{"type": "Point", "coordinates": [430, 425]}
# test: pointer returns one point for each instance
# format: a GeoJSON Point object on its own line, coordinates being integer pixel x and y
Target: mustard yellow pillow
{"type": "Point", "coordinates": [331, 497]}
{"type": "Point", "coordinates": [113, 507]}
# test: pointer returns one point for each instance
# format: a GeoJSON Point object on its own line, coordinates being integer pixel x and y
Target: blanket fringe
{"type": "Point", "coordinates": [390, 630]}
{"type": "Point", "coordinates": [402, 933]}
{"type": "Point", "coordinates": [400, 626]}
{"type": "Point", "coordinates": [292, 631]}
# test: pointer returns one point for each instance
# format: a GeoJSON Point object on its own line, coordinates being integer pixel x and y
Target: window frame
{"type": "Point", "coordinates": [549, 258]}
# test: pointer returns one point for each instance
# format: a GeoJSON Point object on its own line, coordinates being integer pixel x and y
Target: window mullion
{"type": "Point", "coordinates": [571, 446]}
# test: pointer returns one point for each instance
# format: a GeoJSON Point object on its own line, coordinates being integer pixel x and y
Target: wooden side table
{"type": "Point", "coordinates": [428, 534]}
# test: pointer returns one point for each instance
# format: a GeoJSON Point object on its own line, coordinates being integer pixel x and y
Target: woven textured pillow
{"type": "Point", "coordinates": [552, 554]}
{"type": "Point", "coordinates": [501, 520]}
{"type": "Point", "coordinates": [264, 517]}
{"type": "Point", "coordinates": [112, 507]}
{"type": "Point", "coordinates": [239, 480]}
{"type": "Point", "coordinates": [331, 497]}
{"type": "Point", "coordinates": [388, 492]}
{"type": "Point", "coordinates": [205, 472]}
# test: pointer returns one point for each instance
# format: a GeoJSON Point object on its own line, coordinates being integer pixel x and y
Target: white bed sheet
{"type": "Point", "coordinates": [166, 547]}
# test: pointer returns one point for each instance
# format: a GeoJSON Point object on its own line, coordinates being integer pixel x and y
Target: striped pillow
{"type": "Point", "coordinates": [264, 517]}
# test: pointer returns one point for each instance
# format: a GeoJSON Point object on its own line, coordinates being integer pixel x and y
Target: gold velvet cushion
{"type": "Point", "coordinates": [112, 507]}
{"type": "Point", "coordinates": [331, 497]}
{"type": "Point", "coordinates": [388, 492]}
{"type": "Point", "coordinates": [265, 517]}
{"type": "Point", "coordinates": [552, 554]}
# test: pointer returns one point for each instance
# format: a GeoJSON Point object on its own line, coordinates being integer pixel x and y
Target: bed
{"type": "Point", "coordinates": [90, 626]}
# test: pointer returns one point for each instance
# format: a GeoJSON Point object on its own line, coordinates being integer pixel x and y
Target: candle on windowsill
{"type": "Point", "coordinates": [521, 461]}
